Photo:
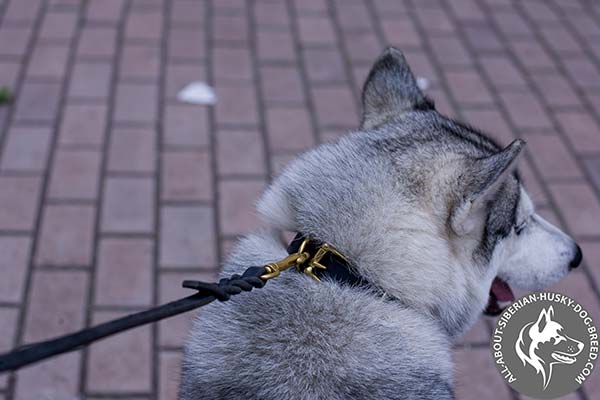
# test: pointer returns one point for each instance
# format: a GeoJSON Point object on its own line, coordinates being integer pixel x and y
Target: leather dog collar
{"type": "Point", "coordinates": [336, 267]}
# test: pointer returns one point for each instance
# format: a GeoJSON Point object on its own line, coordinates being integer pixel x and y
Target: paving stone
{"type": "Point", "coordinates": [482, 38]}
{"type": "Point", "coordinates": [281, 85]}
{"type": "Point", "coordinates": [311, 7]}
{"type": "Point", "coordinates": [66, 235]}
{"type": "Point", "coordinates": [38, 101]}
{"type": "Point", "coordinates": [97, 42]}
{"type": "Point", "coordinates": [128, 205]}
{"type": "Point", "coordinates": [170, 373]}
{"type": "Point", "coordinates": [353, 16]}
{"type": "Point", "coordinates": [467, 10]}
{"type": "Point", "coordinates": [187, 11]}
{"type": "Point", "coordinates": [560, 39]}
{"type": "Point", "coordinates": [186, 125]}
{"type": "Point", "coordinates": [389, 8]}
{"type": "Point", "coordinates": [8, 327]}
{"type": "Point", "coordinates": [131, 260]}
{"type": "Point", "coordinates": [140, 62]}
{"type": "Point", "coordinates": [48, 61]}
{"type": "Point", "coordinates": [230, 28]}
{"type": "Point", "coordinates": [502, 72]}
{"type": "Point", "coordinates": [492, 122]}
{"type": "Point", "coordinates": [450, 51]}
{"type": "Point", "coordinates": [552, 156]}
{"type": "Point", "coordinates": [593, 168]}
{"type": "Point", "coordinates": [468, 87]}
{"type": "Point", "coordinates": [9, 73]}
{"type": "Point", "coordinates": [583, 72]}
{"type": "Point", "coordinates": [122, 363]}
{"type": "Point", "coordinates": [13, 268]}
{"type": "Point", "coordinates": [136, 103]}
{"type": "Point", "coordinates": [581, 129]}
{"type": "Point", "coordinates": [55, 378]}
{"type": "Point", "coordinates": [237, 105]}
{"type": "Point", "coordinates": [289, 129]}
{"type": "Point", "coordinates": [579, 206]}
{"type": "Point", "coordinates": [106, 11]}
{"type": "Point", "coordinates": [231, 64]}
{"type": "Point", "coordinates": [132, 150]}
{"type": "Point", "coordinates": [90, 80]}
{"type": "Point", "coordinates": [275, 45]}
{"type": "Point", "coordinates": [23, 11]}
{"type": "Point", "coordinates": [240, 152]}
{"type": "Point", "coordinates": [186, 176]}
{"type": "Point", "coordinates": [401, 33]}
{"type": "Point", "coordinates": [145, 24]}
{"type": "Point", "coordinates": [18, 202]}
{"type": "Point", "coordinates": [271, 14]}
{"type": "Point", "coordinates": [316, 30]}
{"type": "Point", "coordinates": [335, 106]}
{"type": "Point", "coordinates": [14, 40]}
{"type": "Point", "coordinates": [324, 65]}
{"type": "Point", "coordinates": [58, 25]}
{"type": "Point", "coordinates": [26, 149]}
{"type": "Point", "coordinates": [186, 44]}
{"type": "Point", "coordinates": [75, 175]}
{"type": "Point", "coordinates": [478, 362]}
{"type": "Point", "coordinates": [362, 47]}
{"type": "Point", "coordinates": [526, 111]}
{"type": "Point", "coordinates": [556, 90]}
{"type": "Point", "coordinates": [532, 54]}
{"type": "Point", "coordinates": [511, 23]}
{"type": "Point", "coordinates": [237, 213]}
{"type": "Point", "coordinates": [173, 332]}
{"type": "Point", "coordinates": [187, 237]}
{"type": "Point", "coordinates": [83, 124]}
{"type": "Point", "coordinates": [58, 308]}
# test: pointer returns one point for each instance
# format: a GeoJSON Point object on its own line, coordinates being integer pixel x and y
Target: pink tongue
{"type": "Point", "coordinates": [501, 290]}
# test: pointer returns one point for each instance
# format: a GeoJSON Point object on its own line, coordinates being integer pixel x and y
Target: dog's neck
{"type": "Point", "coordinates": [347, 272]}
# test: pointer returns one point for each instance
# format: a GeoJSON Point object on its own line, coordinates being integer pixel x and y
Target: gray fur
{"type": "Point", "coordinates": [384, 196]}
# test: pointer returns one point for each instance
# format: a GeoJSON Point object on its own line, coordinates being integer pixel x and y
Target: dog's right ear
{"type": "Point", "coordinates": [482, 179]}
{"type": "Point", "coordinates": [390, 89]}
{"type": "Point", "coordinates": [544, 318]}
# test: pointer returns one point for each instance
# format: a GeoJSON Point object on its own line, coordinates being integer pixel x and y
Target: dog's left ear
{"type": "Point", "coordinates": [390, 89]}
{"type": "Point", "coordinates": [483, 178]}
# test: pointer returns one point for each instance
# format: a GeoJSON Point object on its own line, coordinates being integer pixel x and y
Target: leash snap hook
{"type": "Point", "coordinates": [274, 269]}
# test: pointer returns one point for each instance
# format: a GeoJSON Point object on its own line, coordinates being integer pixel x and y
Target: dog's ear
{"type": "Point", "coordinates": [390, 89]}
{"type": "Point", "coordinates": [545, 317]}
{"type": "Point", "coordinates": [481, 181]}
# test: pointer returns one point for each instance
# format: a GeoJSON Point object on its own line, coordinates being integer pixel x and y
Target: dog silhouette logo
{"type": "Point", "coordinates": [545, 345]}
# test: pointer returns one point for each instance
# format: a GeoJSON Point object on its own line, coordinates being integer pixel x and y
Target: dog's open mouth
{"type": "Point", "coordinates": [563, 358]}
{"type": "Point", "coordinates": [500, 295]}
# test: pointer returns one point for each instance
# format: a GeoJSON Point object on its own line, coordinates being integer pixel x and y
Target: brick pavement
{"type": "Point", "coordinates": [113, 192]}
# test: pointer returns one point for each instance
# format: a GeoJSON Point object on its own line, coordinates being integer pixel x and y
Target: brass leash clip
{"type": "Point", "coordinates": [303, 260]}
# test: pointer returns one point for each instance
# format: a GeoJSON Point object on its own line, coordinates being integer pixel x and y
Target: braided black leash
{"type": "Point", "coordinates": [207, 293]}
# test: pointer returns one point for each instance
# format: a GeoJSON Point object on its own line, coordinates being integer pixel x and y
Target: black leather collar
{"type": "Point", "coordinates": [338, 269]}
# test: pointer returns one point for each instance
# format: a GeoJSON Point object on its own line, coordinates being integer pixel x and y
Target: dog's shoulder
{"type": "Point", "coordinates": [299, 339]}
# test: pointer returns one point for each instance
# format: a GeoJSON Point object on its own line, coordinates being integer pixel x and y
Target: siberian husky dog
{"type": "Point", "coordinates": [428, 210]}
{"type": "Point", "coordinates": [543, 343]}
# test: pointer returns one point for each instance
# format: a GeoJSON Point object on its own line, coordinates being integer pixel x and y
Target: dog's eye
{"type": "Point", "coordinates": [519, 228]}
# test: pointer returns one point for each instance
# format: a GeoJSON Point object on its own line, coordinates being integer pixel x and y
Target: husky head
{"type": "Point", "coordinates": [426, 208]}
{"type": "Point", "coordinates": [543, 344]}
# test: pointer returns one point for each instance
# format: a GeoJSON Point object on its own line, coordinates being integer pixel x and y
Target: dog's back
{"type": "Point", "coordinates": [298, 339]}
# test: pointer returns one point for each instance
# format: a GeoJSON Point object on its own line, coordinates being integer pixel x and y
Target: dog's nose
{"type": "Point", "coordinates": [577, 259]}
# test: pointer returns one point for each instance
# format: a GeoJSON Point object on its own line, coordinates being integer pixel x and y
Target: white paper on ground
{"type": "Point", "coordinates": [422, 83]}
{"type": "Point", "coordinates": [197, 93]}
